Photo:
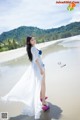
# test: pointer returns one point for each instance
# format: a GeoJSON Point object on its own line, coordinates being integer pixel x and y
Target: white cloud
{"type": "Point", "coordinates": [43, 14]}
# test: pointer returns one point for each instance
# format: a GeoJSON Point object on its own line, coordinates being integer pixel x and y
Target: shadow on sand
{"type": "Point", "coordinates": [53, 113]}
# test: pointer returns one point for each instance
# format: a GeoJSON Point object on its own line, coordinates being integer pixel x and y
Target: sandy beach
{"type": "Point", "coordinates": [62, 61]}
{"type": "Point", "coordinates": [13, 54]}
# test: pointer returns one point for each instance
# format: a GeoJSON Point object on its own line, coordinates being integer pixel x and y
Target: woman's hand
{"type": "Point", "coordinates": [41, 71]}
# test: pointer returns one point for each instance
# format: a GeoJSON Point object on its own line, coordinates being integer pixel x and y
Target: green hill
{"type": "Point", "coordinates": [18, 36]}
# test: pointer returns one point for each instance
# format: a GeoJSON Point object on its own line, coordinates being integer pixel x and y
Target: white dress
{"type": "Point", "coordinates": [27, 89]}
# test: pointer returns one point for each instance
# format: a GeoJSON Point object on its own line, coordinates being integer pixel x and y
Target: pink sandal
{"type": "Point", "coordinates": [45, 107]}
{"type": "Point", "coordinates": [45, 98]}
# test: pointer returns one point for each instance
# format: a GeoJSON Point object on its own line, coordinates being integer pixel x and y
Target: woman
{"type": "Point", "coordinates": [31, 87]}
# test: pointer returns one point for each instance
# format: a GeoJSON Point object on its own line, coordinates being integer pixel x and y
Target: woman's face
{"type": "Point", "coordinates": [33, 41]}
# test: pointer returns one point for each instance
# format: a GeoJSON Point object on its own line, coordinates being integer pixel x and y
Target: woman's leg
{"type": "Point", "coordinates": [43, 90]}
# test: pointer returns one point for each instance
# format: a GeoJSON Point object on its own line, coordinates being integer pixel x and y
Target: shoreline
{"type": "Point", "coordinates": [62, 80]}
{"type": "Point", "coordinates": [19, 52]}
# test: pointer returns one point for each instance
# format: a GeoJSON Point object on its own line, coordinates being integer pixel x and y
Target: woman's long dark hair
{"type": "Point", "coordinates": [28, 47]}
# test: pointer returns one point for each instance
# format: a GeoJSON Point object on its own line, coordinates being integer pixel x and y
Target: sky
{"type": "Point", "coordinates": [44, 14]}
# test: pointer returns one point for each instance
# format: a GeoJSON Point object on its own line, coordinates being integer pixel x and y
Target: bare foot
{"type": "Point", "coordinates": [44, 103]}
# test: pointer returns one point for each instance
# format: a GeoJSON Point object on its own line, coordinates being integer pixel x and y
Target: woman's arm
{"type": "Point", "coordinates": [34, 52]}
{"type": "Point", "coordinates": [41, 70]}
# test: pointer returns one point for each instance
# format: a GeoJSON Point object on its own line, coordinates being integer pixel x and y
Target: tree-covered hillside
{"type": "Point", "coordinates": [16, 37]}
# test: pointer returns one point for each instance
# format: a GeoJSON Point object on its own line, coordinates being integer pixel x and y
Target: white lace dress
{"type": "Point", "coordinates": [27, 89]}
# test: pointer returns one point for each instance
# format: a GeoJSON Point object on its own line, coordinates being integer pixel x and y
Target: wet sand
{"type": "Point", "coordinates": [62, 61]}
